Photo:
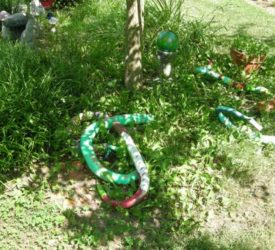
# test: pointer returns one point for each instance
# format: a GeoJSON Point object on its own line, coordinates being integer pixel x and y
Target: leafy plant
{"type": "Point", "coordinates": [166, 14]}
{"type": "Point", "coordinates": [170, 8]}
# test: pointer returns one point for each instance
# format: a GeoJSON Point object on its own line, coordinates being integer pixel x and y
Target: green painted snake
{"type": "Point", "coordinates": [207, 70]}
{"type": "Point", "coordinates": [222, 110]}
{"type": "Point", "coordinates": [86, 144]}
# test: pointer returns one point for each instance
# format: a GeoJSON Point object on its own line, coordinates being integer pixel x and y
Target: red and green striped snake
{"type": "Point", "coordinates": [94, 165]}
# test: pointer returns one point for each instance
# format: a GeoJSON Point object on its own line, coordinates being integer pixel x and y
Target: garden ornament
{"type": "Point", "coordinates": [167, 44]}
{"type": "Point", "coordinates": [248, 52]}
{"type": "Point", "coordinates": [267, 106]}
{"type": "Point", "coordinates": [22, 26]}
{"type": "Point", "coordinates": [36, 8]}
{"type": "Point", "coordinates": [47, 4]}
{"type": "Point", "coordinates": [208, 71]}
{"type": "Point", "coordinates": [94, 165]}
{"type": "Point", "coordinates": [141, 168]}
{"type": "Point", "coordinates": [88, 152]}
{"type": "Point", "coordinates": [20, 8]}
{"type": "Point", "coordinates": [52, 20]}
{"type": "Point", "coordinates": [14, 25]}
{"type": "Point", "coordinates": [3, 15]}
{"type": "Point", "coordinates": [257, 136]}
{"type": "Point", "coordinates": [31, 31]}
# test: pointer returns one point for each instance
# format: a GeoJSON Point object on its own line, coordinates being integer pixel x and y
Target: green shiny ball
{"type": "Point", "coordinates": [167, 41]}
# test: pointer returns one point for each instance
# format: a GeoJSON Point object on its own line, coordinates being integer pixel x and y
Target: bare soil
{"type": "Point", "coordinates": [248, 212]}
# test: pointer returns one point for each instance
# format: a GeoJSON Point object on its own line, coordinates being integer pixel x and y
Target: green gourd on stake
{"type": "Point", "coordinates": [167, 41]}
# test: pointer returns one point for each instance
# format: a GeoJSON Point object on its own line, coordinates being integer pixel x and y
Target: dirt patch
{"type": "Point", "coordinates": [248, 209]}
{"type": "Point", "coordinates": [71, 185]}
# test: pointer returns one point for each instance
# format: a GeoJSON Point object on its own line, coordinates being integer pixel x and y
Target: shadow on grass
{"type": "Point", "coordinates": [111, 226]}
{"type": "Point", "coordinates": [206, 243]}
{"type": "Point", "coordinates": [90, 222]}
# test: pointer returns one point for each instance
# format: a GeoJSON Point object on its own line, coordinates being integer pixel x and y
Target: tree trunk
{"type": "Point", "coordinates": [134, 33]}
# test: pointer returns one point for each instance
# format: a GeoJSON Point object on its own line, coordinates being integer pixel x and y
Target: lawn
{"type": "Point", "coordinates": [211, 187]}
{"type": "Point", "coordinates": [233, 17]}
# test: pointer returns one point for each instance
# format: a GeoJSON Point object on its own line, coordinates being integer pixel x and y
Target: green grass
{"type": "Point", "coordinates": [7, 5]}
{"type": "Point", "coordinates": [189, 154]}
{"type": "Point", "coordinates": [234, 17]}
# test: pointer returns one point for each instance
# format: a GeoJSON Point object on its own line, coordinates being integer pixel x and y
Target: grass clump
{"type": "Point", "coordinates": [32, 105]}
